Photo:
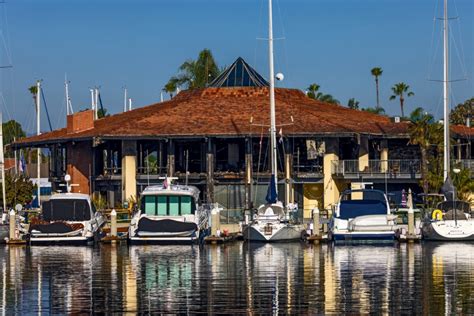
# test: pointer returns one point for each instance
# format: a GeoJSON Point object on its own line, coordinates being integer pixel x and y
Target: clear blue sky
{"type": "Point", "coordinates": [141, 43]}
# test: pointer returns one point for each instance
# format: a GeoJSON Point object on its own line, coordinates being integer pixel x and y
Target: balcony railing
{"type": "Point", "coordinates": [377, 168]}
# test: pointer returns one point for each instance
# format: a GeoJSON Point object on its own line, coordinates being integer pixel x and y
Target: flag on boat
{"type": "Point", "coordinates": [165, 183]}
{"type": "Point", "coordinates": [272, 195]}
{"type": "Point", "coordinates": [448, 190]}
{"type": "Point", "coordinates": [281, 136]}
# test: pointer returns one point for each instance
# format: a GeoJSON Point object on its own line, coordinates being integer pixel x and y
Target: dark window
{"type": "Point", "coordinates": [66, 210]}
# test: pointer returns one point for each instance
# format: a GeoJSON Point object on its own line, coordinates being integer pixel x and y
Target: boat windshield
{"type": "Point", "coordinates": [167, 205]}
{"type": "Point", "coordinates": [360, 203]}
{"type": "Point", "coordinates": [66, 210]}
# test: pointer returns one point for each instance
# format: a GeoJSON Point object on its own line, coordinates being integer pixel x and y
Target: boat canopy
{"type": "Point", "coordinates": [356, 203]}
{"type": "Point", "coordinates": [66, 210]}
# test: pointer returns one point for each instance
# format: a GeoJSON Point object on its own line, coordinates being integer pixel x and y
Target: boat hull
{"type": "Point", "coordinates": [448, 230]}
{"type": "Point", "coordinates": [283, 234]}
{"type": "Point", "coordinates": [78, 240]}
{"type": "Point", "coordinates": [363, 235]}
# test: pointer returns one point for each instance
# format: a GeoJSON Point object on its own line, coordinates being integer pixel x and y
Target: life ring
{"type": "Point", "coordinates": [437, 215]}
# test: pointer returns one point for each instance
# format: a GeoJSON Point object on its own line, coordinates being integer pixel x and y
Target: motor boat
{"type": "Point", "coordinates": [69, 218]}
{"type": "Point", "coordinates": [363, 215]}
{"type": "Point", "coordinates": [271, 224]}
{"type": "Point", "coordinates": [169, 213]}
{"type": "Point", "coordinates": [451, 220]}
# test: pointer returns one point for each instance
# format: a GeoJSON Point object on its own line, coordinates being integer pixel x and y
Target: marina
{"type": "Point", "coordinates": [240, 194]}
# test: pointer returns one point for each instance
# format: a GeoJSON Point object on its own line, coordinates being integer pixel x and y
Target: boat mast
{"type": "Point", "coordinates": [38, 132]}
{"type": "Point", "coordinates": [69, 109]}
{"type": "Point", "coordinates": [446, 161]}
{"type": "Point", "coordinates": [2, 166]}
{"type": "Point", "coordinates": [272, 97]}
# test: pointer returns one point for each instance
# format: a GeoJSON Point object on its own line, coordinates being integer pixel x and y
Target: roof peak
{"type": "Point", "coordinates": [239, 74]}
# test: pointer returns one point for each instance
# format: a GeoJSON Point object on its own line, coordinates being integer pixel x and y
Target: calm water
{"type": "Point", "coordinates": [239, 278]}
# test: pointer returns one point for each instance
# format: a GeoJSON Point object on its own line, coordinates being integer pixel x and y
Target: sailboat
{"type": "Point", "coordinates": [451, 220]}
{"type": "Point", "coordinates": [4, 228]}
{"type": "Point", "coordinates": [271, 222]}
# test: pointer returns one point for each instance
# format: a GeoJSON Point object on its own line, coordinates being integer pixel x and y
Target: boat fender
{"type": "Point", "coordinates": [437, 215]}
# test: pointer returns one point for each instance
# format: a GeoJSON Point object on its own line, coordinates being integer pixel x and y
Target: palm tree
{"type": "Point", "coordinates": [419, 130]}
{"type": "Point", "coordinates": [400, 90]}
{"type": "Point", "coordinates": [195, 73]}
{"type": "Point", "coordinates": [377, 72]}
{"type": "Point", "coordinates": [314, 93]}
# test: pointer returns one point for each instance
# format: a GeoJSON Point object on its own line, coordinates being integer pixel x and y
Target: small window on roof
{"type": "Point", "coordinates": [162, 205]}
{"type": "Point", "coordinates": [150, 205]}
{"type": "Point", "coordinates": [174, 205]}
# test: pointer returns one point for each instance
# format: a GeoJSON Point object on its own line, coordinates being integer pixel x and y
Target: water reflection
{"type": "Point", "coordinates": [239, 278]}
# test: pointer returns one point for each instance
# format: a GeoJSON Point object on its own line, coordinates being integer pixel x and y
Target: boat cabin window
{"type": "Point", "coordinates": [66, 210]}
{"type": "Point", "coordinates": [171, 205]}
{"type": "Point", "coordinates": [359, 203]}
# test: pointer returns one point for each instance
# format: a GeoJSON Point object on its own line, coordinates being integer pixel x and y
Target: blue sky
{"type": "Point", "coordinates": [141, 43]}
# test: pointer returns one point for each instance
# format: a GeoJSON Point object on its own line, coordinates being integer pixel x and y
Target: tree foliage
{"type": "Point", "coordinates": [379, 111]}
{"type": "Point", "coordinates": [353, 104]}
{"type": "Point", "coordinates": [19, 190]}
{"type": "Point", "coordinates": [194, 73]}
{"type": "Point", "coordinates": [314, 93]}
{"type": "Point", "coordinates": [11, 130]}
{"type": "Point", "coordinates": [401, 90]}
{"type": "Point", "coordinates": [461, 112]}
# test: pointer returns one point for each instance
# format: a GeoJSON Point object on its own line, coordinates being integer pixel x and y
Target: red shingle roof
{"type": "Point", "coordinates": [227, 112]}
{"type": "Point", "coordinates": [462, 131]}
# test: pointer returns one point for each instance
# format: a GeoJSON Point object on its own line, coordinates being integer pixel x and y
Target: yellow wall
{"type": "Point", "coordinates": [129, 177]}
{"type": "Point", "coordinates": [331, 190]}
{"type": "Point", "coordinates": [312, 197]}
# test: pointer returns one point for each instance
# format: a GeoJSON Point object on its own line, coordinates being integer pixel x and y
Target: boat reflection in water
{"type": "Point", "coordinates": [239, 278]}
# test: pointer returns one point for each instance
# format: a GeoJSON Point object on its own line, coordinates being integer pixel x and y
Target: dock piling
{"type": "Point", "coordinates": [113, 223]}
{"type": "Point", "coordinates": [215, 221]}
{"type": "Point", "coordinates": [12, 224]}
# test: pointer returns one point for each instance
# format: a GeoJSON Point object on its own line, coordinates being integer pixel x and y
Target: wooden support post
{"type": "Point", "coordinates": [171, 160]}
{"type": "Point", "coordinates": [12, 234]}
{"type": "Point", "coordinates": [210, 172]}
{"type": "Point", "coordinates": [113, 223]}
{"type": "Point", "coordinates": [288, 184]}
{"type": "Point", "coordinates": [215, 222]}
{"type": "Point", "coordinates": [316, 228]}
{"type": "Point", "coordinates": [411, 218]}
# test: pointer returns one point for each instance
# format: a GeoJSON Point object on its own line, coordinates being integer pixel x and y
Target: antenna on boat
{"type": "Point", "coordinates": [125, 99]}
{"type": "Point", "coordinates": [69, 109]}
{"type": "Point", "coordinates": [68, 184]}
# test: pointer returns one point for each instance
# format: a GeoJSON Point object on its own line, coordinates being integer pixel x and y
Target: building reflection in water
{"type": "Point", "coordinates": [239, 278]}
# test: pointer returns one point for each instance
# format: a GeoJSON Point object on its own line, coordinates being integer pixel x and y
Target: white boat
{"type": "Point", "coordinates": [450, 221]}
{"type": "Point", "coordinates": [271, 222]}
{"type": "Point", "coordinates": [67, 218]}
{"type": "Point", "coordinates": [271, 225]}
{"type": "Point", "coordinates": [169, 213]}
{"type": "Point", "coordinates": [363, 215]}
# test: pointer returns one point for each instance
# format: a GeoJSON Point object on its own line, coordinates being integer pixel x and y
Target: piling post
{"type": "Point", "coordinates": [411, 218]}
{"type": "Point", "coordinates": [12, 224]}
{"type": "Point", "coordinates": [113, 223]}
{"type": "Point", "coordinates": [316, 226]}
{"type": "Point", "coordinates": [215, 221]}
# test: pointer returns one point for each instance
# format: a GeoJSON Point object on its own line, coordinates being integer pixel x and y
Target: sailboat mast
{"type": "Point", "coordinates": [446, 162]}
{"type": "Point", "coordinates": [38, 132]}
{"type": "Point", "coordinates": [2, 166]}
{"type": "Point", "coordinates": [272, 96]}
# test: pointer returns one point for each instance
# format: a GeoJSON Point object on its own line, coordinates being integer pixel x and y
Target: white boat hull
{"type": "Point", "coordinates": [449, 230]}
{"type": "Point", "coordinates": [281, 234]}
